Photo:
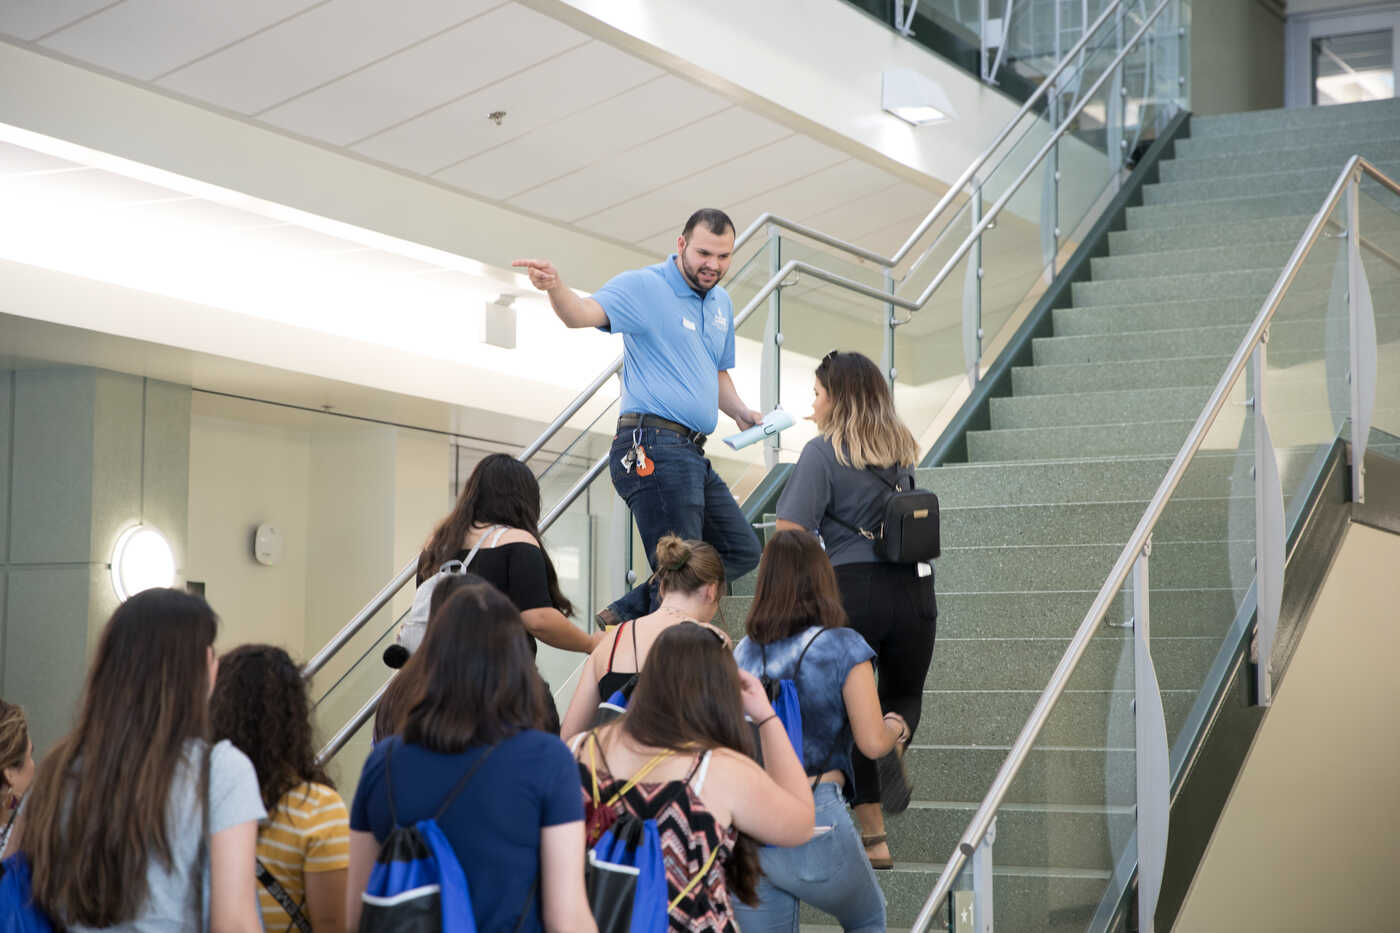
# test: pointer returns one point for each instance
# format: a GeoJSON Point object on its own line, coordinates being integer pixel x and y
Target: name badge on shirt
{"type": "Point", "coordinates": [689, 324]}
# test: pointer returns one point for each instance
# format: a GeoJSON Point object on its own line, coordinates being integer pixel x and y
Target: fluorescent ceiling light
{"type": "Point", "coordinates": [913, 97]}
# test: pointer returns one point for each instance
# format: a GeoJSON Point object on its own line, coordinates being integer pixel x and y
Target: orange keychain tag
{"type": "Point", "coordinates": [645, 467]}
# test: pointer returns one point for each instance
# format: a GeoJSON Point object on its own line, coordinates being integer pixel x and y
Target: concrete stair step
{"type": "Point", "coordinates": [1074, 775]}
{"type": "Point", "coordinates": [1303, 119]}
{"type": "Point", "coordinates": [1040, 837]}
{"type": "Point", "coordinates": [1313, 178]}
{"type": "Point", "coordinates": [1090, 523]}
{"type": "Point", "coordinates": [995, 717]}
{"type": "Point", "coordinates": [1041, 568]}
{"type": "Point", "coordinates": [1225, 211]}
{"type": "Point", "coordinates": [1323, 155]}
{"type": "Point", "coordinates": [1107, 664]}
{"type": "Point", "coordinates": [1252, 256]}
{"type": "Point", "coordinates": [1261, 144]}
{"type": "Point", "coordinates": [1074, 442]}
{"type": "Point", "coordinates": [1205, 312]}
{"type": "Point", "coordinates": [1038, 411]}
{"type": "Point", "coordinates": [1313, 281]}
{"type": "Point", "coordinates": [1207, 234]}
{"type": "Point", "coordinates": [1100, 377]}
{"type": "Point", "coordinates": [1189, 611]}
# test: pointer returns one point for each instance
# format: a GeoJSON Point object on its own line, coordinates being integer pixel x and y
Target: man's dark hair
{"type": "Point", "coordinates": [714, 220]}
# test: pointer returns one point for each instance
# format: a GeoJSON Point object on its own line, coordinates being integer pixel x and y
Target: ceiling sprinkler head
{"type": "Point", "coordinates": [496, 116]}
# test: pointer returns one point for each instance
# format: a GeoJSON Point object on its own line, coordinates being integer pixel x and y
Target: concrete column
{"type": "Point", "coordinates": [84, 454]}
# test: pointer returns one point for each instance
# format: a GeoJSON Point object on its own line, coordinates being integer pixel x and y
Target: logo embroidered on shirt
{"type": "Point", "coordinates": [720, 319]}
{"type": "Point", "coordinates": [690, 325]}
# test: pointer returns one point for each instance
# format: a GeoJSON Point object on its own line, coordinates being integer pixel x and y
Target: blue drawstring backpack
{"type": "Point", "coordinates": [18, 912]}
{"type": "Point", "coordinates": [782, 693]}
{"type": "Point", "coordinates": [417, 885]}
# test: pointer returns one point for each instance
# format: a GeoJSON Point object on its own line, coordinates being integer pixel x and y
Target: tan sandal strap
{"type": "Point", "coordinates": [871, 840]}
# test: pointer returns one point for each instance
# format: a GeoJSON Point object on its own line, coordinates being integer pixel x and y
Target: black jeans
{"type": "Point", "coordinates": [682, 496]}
{"type": "Point", "coordinates": [897, 612]}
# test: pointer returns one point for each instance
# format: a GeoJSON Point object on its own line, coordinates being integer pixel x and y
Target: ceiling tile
{"type": "Point", "coordinates": [821, 191]}
{"type": "Point", "coordinates": [861, 217]}
{"type": "Point", "coordinates": [274, 65]}
{"type": "Point", "coordinates": [101, 189]}
{"type": "Point", "coordinates": [728, 180]}
{"type": "Point", "coordinates": [146, 38]}
{"type": "Point", "coordinates": [532, 99]}
{"type": "Point", "coordinates": [30, 19]}
{"type": "Point", "coordinates": [203, 213]}
{"type": "Point", "coordinates": [675, 155]}
{"type": "Point", "coordinates": [17, 159]}
{"type": "Point", "coordinates": [449, 65]}
{"type": "Point", "coordinates": [585, 136]}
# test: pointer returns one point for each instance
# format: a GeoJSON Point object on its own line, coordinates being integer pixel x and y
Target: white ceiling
{"type": "Point", "coordinates": [593, 137]}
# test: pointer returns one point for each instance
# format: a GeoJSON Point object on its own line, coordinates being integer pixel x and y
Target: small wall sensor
{"type": "Point", "coordinates": [267, 545]}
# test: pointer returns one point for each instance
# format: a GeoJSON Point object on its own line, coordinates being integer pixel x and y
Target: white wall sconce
{"type": "Point", "coordinates": [142, 560]}
{"type": "Point", "coordinates": [498, 326]}
{"type": "Point", "coordinates": [914, 98]}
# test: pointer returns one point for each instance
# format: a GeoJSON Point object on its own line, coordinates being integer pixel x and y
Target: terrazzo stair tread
{"type": "Point", "coordinates": [1027, 900]}
{"type": "Point", "coordinates": [1120, 319]}
{"type": "Point", "coordinates": [1037, 614]}
{"type": "Point", "coordinates": [1129, 374]}
{"type": "Point", "coordinates": [995, 717]}
{"type": "Point", "coordinates": [1271, 255]}
{"type": "Point", "coordinates": [1305, 119]}
{"type": "Point", "coordinates": [1255, 144]}
{"type": "Point", "coordinates": [1318, 179]}
{"type": "Point", "coordinates": [1086, 776]}
{"type": "Point", "coordinates": [1295, 335]}
{"type": "Point", "coordinates": [1314, 279]}
{"type": "Point", "coordinates": [1322, 155]}
{"type": "Point", "coordinates": [1228, 210]}
{"type": "Point", "coordinates": [1058, 836]}
{"type": "Point", "coordinates": [1210, 474]}
{"type": "Point", "coordinates": [1034, 411]}
{"type": "Point", "coordinates": [1030, 568]}
{"type": "Point", "coordinates": [1107, 664]}
{"type": "Point", "coordinates": [1077, 441]}
{"type": "Point", "coordinates": [1087, 523]}
{"type": "Point", "coordinates": [1220, 233]}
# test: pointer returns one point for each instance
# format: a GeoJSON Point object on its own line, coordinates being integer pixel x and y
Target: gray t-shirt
{"type": "Point", "coordinates": [819, 487]}
{"type": "Point", "coordinates": [233, 799]}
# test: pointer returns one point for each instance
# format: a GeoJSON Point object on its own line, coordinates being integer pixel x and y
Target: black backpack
{"type": "Point", "coordinates": [908, 528]}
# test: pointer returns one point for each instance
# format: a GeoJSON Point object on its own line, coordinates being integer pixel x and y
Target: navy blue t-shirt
{"type": "Point", "coordinates": [531, 781]}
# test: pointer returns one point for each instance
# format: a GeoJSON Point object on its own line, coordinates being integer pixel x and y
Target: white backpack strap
{"type": "Point", "coordinates": [698, 782]}
{"type": "Point", "coordinates": [501, 529]}
{"type": "Point", "coordinates": [482, 540]}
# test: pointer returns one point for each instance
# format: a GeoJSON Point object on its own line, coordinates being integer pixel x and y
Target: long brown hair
{"type": "Point", "coordinates": [861, 424]}
{"type": "Point", "coordinates": [260, 704]}
{"type": "Point", "coordinates": [688, 700]}
{"type": "Point", "coordinates": [98, 810]}
{"type": "Point", "coordinates": [500, 491]}
{"type": "Point", "coordinates": [473, 680]}
{"type": "Point", "coordinates": [796, 589]}
{"type": "Point", "coordinates": [14, 741]}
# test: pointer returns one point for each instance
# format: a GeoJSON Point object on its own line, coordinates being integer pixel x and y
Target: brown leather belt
{"type": "Point", "coordinates": [634, 420]}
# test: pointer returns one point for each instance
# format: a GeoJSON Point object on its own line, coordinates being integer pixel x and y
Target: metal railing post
{"type": "Point", "coordinates": [1269, 542]}
{"type": "Point", "coordinates": [972, 298]}
{"type": "Point", "coordinates": [887, 356]}
{"type": "Point", "coordinates": [1363, 351]}
{"type": "Point", "coordinates": [970, 908]}
{"type": "Point", "coordinates": [1151, 752]}
{"type": "Point", "coordinates": [771, 378]}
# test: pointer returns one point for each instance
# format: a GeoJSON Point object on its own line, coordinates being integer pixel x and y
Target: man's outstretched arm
{"type": "Point", "coordinates": [571, 309]}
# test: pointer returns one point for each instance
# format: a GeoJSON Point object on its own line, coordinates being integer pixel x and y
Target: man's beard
{"type": "Point", "coordinates": [692, 277]}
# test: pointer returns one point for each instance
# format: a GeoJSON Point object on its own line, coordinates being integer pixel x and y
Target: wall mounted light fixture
{"type": "Point", "coordinates": [913, 97]}
{"type": "Point", "coordinates": [141, 560]}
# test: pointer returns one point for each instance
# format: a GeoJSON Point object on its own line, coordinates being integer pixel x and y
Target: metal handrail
{"type": "Point", "coordinates": [986, 812]}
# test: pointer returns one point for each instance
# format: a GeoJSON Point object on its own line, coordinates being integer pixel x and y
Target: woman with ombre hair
{"type": "Point", "coordinates": [838, 488]}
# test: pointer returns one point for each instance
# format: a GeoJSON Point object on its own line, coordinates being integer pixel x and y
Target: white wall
{"type": "Point", "coordinates": [1310, 838]}
{"type": "Point", "coordinates": [241, 474]}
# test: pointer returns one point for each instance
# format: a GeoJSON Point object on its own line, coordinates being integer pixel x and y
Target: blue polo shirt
{"type": "Point", "coordinates": [675, 342]}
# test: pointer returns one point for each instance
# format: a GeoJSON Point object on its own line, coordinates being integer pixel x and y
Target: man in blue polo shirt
{"type": "Point", "coordinates": [677, 327]}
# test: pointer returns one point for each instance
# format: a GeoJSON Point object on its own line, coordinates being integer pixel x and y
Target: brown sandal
{"type": "Point", "coordinates": [883, 863]}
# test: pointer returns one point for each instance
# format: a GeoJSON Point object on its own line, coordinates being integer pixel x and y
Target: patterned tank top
{"type": "Point", "coordinates": [689, 834]}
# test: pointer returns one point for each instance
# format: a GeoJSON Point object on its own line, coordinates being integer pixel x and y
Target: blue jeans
{"type": "Point", "coordinates": [682, 496]}
{"type": "Point", "coordinates": [830, 872]}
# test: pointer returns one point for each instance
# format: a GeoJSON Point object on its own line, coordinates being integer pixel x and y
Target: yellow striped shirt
{"type": "Point", "coordinates": [308, 831]}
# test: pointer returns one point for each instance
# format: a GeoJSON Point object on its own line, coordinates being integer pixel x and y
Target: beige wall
{"type": "Point", "coordinates": [1236, 56]}
{"type": "Point", "coordinates": [1310, 838]}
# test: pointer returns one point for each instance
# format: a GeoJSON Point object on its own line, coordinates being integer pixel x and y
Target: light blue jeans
{"type": "Point", "coordinates": [830, 872]}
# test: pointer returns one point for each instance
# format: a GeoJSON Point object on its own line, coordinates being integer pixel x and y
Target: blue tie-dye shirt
{"type": "Point", "coordinates": [826, 729]}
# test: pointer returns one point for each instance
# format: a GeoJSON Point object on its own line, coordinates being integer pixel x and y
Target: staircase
{"type": "Point", "coordinates": [1033, 522]}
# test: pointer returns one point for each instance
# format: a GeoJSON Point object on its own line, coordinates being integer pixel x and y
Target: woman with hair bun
{"type": "Point", "coordinates": [838, 488]}
{"type": "Point", "coordinates": [16, 765]}
{"type": "Point", "coordinates": [690, 580]}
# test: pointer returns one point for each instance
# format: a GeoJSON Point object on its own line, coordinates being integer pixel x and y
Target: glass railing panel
{"type": "Point", "coordinates": [1380, 257]}
{"type": "Point", "coordinates": [345, 766]}
{"type": "Point", "coordinates": [336, 700]}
